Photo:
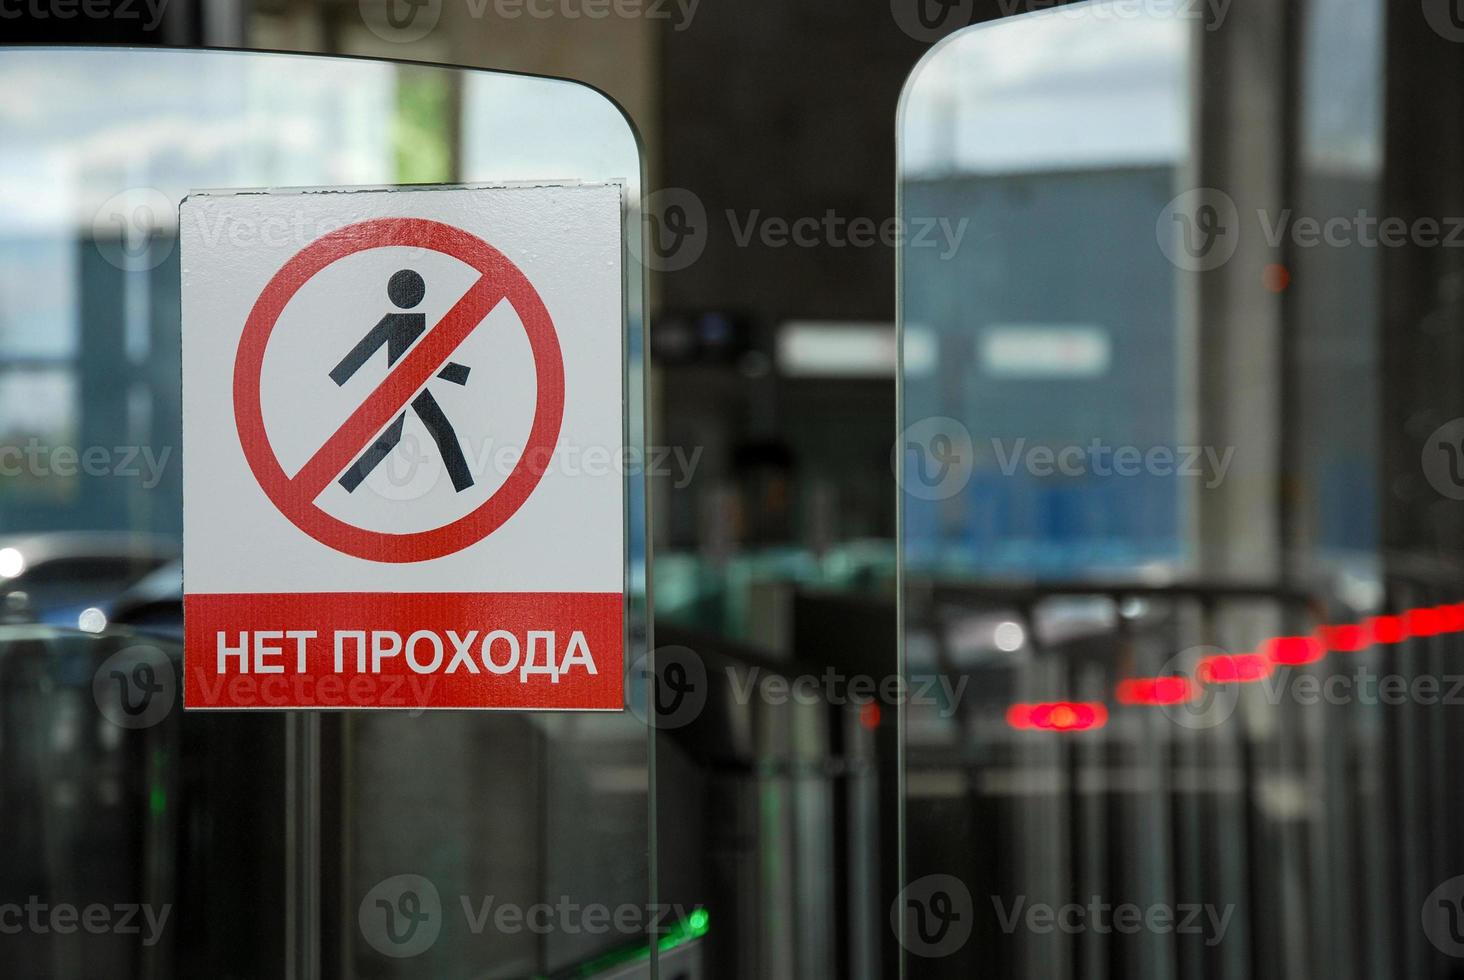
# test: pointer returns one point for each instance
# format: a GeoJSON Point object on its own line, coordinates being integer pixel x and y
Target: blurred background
{"type": "Point", "coordinates": [1171, 432]}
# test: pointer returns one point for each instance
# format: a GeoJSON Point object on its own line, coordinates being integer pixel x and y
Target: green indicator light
{"type": "Point", "coordinates": [693, 927]}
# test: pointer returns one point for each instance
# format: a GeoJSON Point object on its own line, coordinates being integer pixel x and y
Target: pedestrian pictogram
{"type": "Point", "coordinates": [376, 413]}
{"type": "Point", "coordinates": [397, 331]}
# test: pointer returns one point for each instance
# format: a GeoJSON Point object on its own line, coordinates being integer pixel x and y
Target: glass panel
{"type": "Point", "coordinates": [1181, 497]}
{"type": "Point", "coordinates": [1056, 178]}
{"type": "Point", "coordinates": [274, 845]}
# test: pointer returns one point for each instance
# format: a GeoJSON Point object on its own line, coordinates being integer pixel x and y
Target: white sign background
{"type": "Point", "coordinates": [569, 535]}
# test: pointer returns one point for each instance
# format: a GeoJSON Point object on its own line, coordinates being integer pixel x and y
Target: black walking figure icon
{"type": "Point", "coordinates": [398, 331]}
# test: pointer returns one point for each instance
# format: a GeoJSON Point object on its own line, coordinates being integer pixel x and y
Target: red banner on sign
{"type": "Point", "coordinates": [558, 650]}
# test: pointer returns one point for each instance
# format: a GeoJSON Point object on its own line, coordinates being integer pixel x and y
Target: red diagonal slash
{"type": "Point", "coordinates": [382, 405]}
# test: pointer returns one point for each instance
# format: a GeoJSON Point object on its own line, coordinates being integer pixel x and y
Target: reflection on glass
{"type": "Point", "coordinates": [1164, 521]}
{"type": "Point", "coordinates": [267, 839]}
{"type": "Point", "coordinates": [1057, 325]}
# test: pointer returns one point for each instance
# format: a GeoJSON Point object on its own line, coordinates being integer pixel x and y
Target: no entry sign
{"type": "Point", "coordinates": [403, 444]}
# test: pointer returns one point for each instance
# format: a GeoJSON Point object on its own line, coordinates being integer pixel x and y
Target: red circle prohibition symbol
{"type": "Point", "coordinates": [295, 496]}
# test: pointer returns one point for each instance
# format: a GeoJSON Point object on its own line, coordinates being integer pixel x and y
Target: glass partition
{"type": "Point", "coordinates": [310, 844]}
{"type": "Point", "coordinates": [1180, 508]}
